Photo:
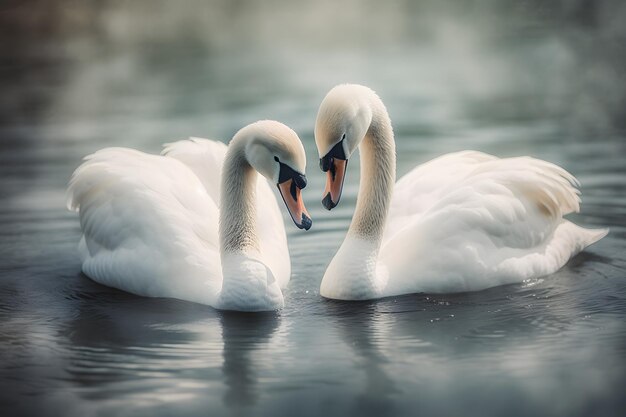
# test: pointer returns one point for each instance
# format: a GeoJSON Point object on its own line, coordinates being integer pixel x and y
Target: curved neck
{"type": "Point", "coordinates": [354, 272]}
{"type": "Point", "coordinates": [237, 226]}
{"type": "Point", "coordinates": [378, 176]}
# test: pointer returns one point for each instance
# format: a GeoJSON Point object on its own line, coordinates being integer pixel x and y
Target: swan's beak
{"type": "Point", "coordinates": [335, 175]}
{"type": "Point", "coordinates": [290, 192]}
{"type": "Point", "coordinates": [334, 164]}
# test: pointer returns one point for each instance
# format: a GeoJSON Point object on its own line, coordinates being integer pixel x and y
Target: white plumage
{"type": "Point", "coordinates": [465, 221]}
{"type": "Point", "coordinates": [150, 226]}
{"type": "Point", "coordinates": [468, 221]}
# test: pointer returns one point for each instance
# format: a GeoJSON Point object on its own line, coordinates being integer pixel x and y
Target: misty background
{"type": "Point", "coordinates": [568, 57]}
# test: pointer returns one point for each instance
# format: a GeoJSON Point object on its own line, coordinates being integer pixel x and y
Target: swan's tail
{"type": "Point", "coordinates": [591, 236]}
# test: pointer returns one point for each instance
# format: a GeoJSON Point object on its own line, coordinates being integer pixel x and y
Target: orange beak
{"type": "Point", "coordinates": [293, 200]}
{"type": "Point", "coordinates": [334, 182]}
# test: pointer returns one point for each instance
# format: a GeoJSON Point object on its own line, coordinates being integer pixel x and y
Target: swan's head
{"type": "Point", "coordinates": [276, 152]}
{"type": "Point", "coordinates": [342, 122]}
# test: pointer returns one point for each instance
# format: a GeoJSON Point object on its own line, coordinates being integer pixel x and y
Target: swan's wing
{"type": "Point", "coordinates": [149, 226]}
{"type": "Point", "coordinates": [205, 158]}
{"type": "Point", "coordinates": [424, 186]}
{"type": "Point", "coordinates": [489, 221]}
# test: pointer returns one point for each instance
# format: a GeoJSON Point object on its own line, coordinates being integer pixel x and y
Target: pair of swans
{"type": "Point", "coordinates": [197, 223]}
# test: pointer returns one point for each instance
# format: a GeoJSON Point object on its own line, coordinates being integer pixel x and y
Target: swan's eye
{"type": "Point", "coordinates": [343, 136]}
{"type": "Point", "coordinates": [276, 159]}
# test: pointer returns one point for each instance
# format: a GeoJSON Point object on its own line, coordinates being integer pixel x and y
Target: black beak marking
{"type": "Point", "coordinates": [292, 190]}
{"type": "Point", "coordinates": [306, 222]}
{"type": "Point", "coordinates": [287, 173]}
{"type": "Point", "coordinates": [333, 169]}
{"type": "Point", "coordinates": [327, 202]}
{"type": "Point", "coordinates": [336, 152]}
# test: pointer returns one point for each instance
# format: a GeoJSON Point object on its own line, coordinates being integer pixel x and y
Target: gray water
{"type": "Point", "coordinates": [504, 77]}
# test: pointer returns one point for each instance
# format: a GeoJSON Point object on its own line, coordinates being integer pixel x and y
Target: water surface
{"type": "Point", "coordinates": [525, 79]}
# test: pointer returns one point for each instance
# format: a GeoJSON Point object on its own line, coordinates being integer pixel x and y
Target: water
{"type": "Point", "coordinates": [508, 78]}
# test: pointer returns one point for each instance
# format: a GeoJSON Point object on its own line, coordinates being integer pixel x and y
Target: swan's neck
{"type": "Point", "coordinates": [378, 176]}
{"type": "Point", "coordinates": [248, 284]}
{"type": "Point", "coordinates": [354, 272]}
{"type": "Point", "coordinates": [238, 229]}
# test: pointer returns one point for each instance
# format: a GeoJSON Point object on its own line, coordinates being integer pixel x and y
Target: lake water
{"type": "Point", "coordinates": [508, 78]}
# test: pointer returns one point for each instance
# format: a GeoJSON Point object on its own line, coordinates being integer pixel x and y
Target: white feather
{"type": "Point", "coordinates": [150, 223]}
{"type": "Point", "coordinates": [468, 221]}
{"type": "Point", "coordinates": [465, 221]}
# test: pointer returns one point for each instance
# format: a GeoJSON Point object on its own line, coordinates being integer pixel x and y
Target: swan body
{"type": "Point", "coordinates": [465, 221]}
{"type": "Point", "coordinates": [187, 223]}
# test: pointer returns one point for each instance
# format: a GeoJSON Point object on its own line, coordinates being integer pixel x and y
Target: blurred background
{"type": "Point", "coordinates": [79, 62]}
{"type": "Point", "coordinates": [508, 77]}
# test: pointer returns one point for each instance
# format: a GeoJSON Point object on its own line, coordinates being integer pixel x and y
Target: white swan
{"type": "Point", "coordinates": [462, 222]}
{"type": "Point", "coordinates": [150, 222]}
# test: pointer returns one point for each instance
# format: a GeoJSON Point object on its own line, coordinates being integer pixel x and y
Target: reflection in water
{"type": "Point", "coordinates": [118, 339]}
{"type": "Point", "coordinates": [130, 344]}
{"type": "Point", "coordinates": [363, 330]}
{"type": "Point", "coordinates": [243, 333]}
{"type": "Point", "coordinates": [419, 351]}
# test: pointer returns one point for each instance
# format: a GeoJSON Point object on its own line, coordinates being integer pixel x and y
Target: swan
{"type": "Point", "coordinates": [465, 221]}
{"type": "Point", "coordinates": [150, 222]}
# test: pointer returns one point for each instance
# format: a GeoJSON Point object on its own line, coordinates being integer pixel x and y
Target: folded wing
{"type": "Point", "coordinates": [472, 221]}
